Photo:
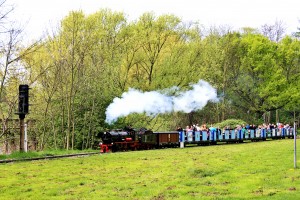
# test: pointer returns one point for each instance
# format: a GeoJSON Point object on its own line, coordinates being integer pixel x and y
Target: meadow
{"type": "Point", "coordinates": [256, 170]}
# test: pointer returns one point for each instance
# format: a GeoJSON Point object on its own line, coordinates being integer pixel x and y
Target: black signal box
{"type": "Point", "coordinates": [23, 100]}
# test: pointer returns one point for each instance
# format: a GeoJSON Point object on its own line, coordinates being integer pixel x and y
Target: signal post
{"type": "Point", "coordinates": [22, 111]}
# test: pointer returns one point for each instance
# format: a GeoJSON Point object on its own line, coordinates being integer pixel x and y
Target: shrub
{"type": "Point", "coordinates": [232, 123]}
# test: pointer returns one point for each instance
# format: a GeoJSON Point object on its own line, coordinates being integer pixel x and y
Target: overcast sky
{"type": "Point", "coordinates": [40, 15]}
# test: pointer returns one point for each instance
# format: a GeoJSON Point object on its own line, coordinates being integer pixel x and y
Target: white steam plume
{"type": "Point", "coordinates": [153, 103]}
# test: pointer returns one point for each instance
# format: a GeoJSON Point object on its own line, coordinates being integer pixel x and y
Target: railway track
{"type": "Point", "coordinates": [47, 157]}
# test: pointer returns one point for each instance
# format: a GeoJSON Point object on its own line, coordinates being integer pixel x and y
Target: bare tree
{"type": "Point", "coordinates": [274, 31]}
{"type": "Point", "coordinates": [297, 33]}
{"type": "Point", "coordinates": [11, 52]}
{"type": "Point", "coordinates": [7, 37]}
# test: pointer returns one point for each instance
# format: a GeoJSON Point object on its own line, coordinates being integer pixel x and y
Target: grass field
{"type": "Point", "coordinates": [257, 170]}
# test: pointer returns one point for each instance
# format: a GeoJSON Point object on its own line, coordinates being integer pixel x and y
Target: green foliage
{"type": "Point", "coordinates": [259, 79]}
{"type": "Point", "coordinates": [289, 61]}
{"type": "Point", "coordinates": [94, 58]}
{"type": "Point", "coordinates": [231, 123]}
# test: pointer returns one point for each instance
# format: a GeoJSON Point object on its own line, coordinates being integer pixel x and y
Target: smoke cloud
{"type": "Point", "coordinates": [155, 102]}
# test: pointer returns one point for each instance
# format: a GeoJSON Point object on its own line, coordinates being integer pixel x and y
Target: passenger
{"type": "Point", "coordinates": [194, 127]}
{"type": "Point", "coordinates": [264, 126]}
{"type": "Point", "coordinates": [238, 127]}
{"type": "Point", "coordinates": [198, 127]}
{"type": "Point", "coordinates": [286, 126]}
{"type": "Point", "coordinates": [260, 127]}
{"type": "Point", "coordinates": [187, 128]}
{"type": "Point", "coordinates": [225, 128]}
{"type": "Point", "coordinates": [211, 128]}
{"type": "Point", "coordinates": [245, 130]}
{"type": "Point", "coordinates": [254, 126]}
{"type": "Point", "coordinates": [179, 128]}
{"type": "Point", "coordinates": [203, 127]}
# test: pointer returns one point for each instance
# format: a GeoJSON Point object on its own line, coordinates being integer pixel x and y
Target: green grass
{"type": "Point", "coordinates": [258, 170]}
{"type": "Point", "coordinates": [37, 154]}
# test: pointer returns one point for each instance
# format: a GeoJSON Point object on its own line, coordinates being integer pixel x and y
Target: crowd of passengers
{"type": "Point", "coordinates": [204, 127]}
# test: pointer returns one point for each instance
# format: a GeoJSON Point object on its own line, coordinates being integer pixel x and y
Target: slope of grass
{"type": "Point", "coordinates": [257, 170]}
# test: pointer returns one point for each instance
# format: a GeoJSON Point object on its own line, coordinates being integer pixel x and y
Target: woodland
{"type": "Point", "coordinates": [76, 71]}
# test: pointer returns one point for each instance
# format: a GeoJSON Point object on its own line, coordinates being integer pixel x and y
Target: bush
{"type": "Point", "coordinates": [232, 123]}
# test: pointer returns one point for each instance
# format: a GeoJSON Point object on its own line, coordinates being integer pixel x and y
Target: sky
{"type": "Point", "coordinates": [37, 16]}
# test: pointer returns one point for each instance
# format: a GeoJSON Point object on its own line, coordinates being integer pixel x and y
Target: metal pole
{"type": "Point", "coordinates": [295, 146]}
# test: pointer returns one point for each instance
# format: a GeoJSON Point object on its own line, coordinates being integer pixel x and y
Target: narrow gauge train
{"type": "Point", "coordinates": [142, 139]}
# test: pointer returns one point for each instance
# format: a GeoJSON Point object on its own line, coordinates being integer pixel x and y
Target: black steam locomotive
{"type": "Point", "coordinates": [123, 139]}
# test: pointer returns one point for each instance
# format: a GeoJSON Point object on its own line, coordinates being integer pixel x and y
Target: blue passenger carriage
{"type": "Point", "coordinates": [214, 136]}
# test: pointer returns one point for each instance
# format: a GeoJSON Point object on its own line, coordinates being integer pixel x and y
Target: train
{"type": "Point", "coordinates": [143, 139]}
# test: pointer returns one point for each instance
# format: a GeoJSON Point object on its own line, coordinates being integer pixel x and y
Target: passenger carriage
{"type": "Point", "coordinates": [196, 137]}
{"type": "Point", "coordinates": [233, 135]}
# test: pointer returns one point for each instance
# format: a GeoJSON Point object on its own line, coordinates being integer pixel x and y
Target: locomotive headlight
{"type": "Point", "coordinates": [112, 143]}
{"type": "Point", "coordinates": [100, 143]}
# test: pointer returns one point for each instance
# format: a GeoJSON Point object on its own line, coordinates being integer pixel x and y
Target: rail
{"type": "Point", "coordinates": [47, 157]}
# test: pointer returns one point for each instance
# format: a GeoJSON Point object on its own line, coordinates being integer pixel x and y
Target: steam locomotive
{"type": "Point", "coordinates": [142, 139]}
